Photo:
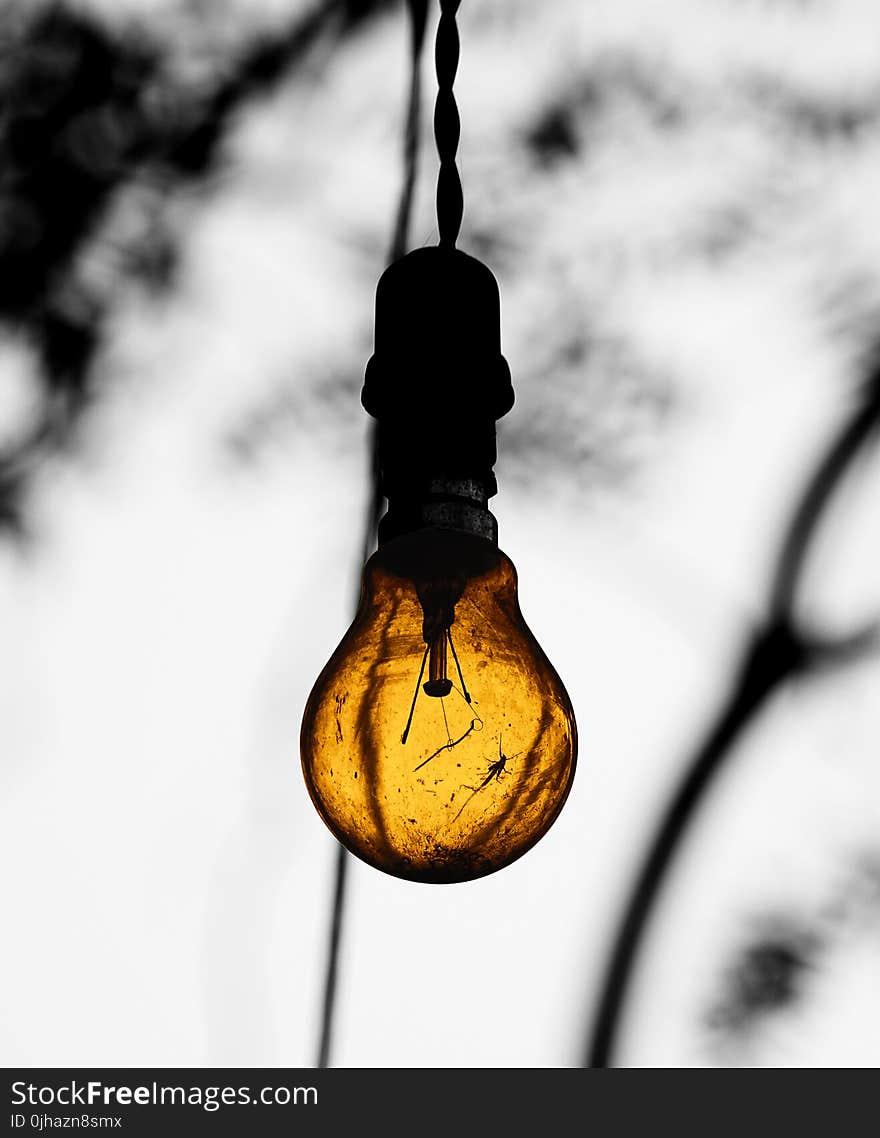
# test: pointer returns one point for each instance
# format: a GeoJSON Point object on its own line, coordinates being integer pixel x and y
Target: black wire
{"type": "Point", "coordinates": [331, 975]}
{"type": "Point", "coordinates": [418, 13]}
{"type": "Point", "coordinates": [418, 17]}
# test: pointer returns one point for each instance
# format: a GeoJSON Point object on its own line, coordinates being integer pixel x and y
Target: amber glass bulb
{"type": "Point", "coordinates": [438, 744]}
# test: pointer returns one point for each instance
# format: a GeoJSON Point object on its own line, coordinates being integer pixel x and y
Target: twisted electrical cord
{"type": "Point", "coordinates": [447, 126]}
{"type": "Point", "coordinates": [418, 13]}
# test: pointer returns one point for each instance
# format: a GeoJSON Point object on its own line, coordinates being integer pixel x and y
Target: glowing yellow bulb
{"type": "Point", "coordinates": [438, 743]}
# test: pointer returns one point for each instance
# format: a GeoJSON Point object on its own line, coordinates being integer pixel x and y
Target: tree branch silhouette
{"type": "Point", "coordinates": [79, 121]}
{"type": "Point", "coordinates": [779, 650]}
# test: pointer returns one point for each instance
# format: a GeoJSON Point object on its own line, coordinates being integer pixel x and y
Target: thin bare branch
{"type": "Point", "coordinates": [776, 652]}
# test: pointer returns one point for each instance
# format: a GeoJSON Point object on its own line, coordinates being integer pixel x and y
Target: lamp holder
{"type": "Point", "coordinates": [436, 384]}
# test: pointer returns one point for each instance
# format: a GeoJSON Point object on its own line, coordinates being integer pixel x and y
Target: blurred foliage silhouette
{"type": "Point", "coordinates": [104, 126]}
{"type": "Point", "coordinates": [773, 971]}
{"type": "Point", "coordinates": [85, 113]}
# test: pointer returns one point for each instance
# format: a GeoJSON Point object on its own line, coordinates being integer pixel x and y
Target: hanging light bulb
{"type": "Point", "coordinates": [438, 743]}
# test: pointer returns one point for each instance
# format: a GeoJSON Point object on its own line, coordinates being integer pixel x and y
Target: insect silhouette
{"type": "Point", "coordinates": [496, 770]}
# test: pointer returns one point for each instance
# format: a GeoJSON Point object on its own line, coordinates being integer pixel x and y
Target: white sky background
{"type": "Point", "coordinates": [169, 877]}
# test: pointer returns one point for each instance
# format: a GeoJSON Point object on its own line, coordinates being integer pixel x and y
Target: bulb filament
{"type": "Point", "coordinates": [439, 614]}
